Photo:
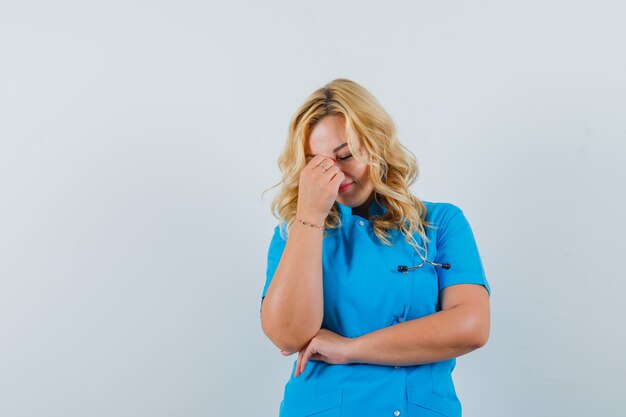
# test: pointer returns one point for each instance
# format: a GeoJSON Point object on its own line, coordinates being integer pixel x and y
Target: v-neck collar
{"type": "Point", "coordinates": [375, 209]}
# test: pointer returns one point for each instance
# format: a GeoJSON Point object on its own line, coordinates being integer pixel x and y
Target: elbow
{"type": "Point", "coordinates": [288, 334]}
{"type": "Point", "coordinates": [479, 334]}
{"type": "Point", "coordinates": [476, 331]}
{"type": "Point", "coordinates": [290, 345]}
{"type": "Point", "coordinates": [480, 337]}
{"type": "Point", "coordinates": [277, 337]}
{"type": "Point", "coordinates": [271, 333]}
{"type": "Point", "coordinates": [284, 336]}
{"type": "Point", "coordinates": [285, 340]}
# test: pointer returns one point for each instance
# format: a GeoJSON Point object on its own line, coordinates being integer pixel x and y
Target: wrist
{"type": "Point", "coordinates": [354, 349]}
{"type": "Point", "coordinates": [315, 219]}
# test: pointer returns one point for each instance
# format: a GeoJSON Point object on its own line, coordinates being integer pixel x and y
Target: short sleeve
{"type": "Point", "coordinates": [274, 253]}
{"type": "Point", "coordinates": [456, 246]}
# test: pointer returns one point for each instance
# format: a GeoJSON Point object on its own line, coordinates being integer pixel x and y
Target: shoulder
{"type": "Point", "coordinates": [440, 212]}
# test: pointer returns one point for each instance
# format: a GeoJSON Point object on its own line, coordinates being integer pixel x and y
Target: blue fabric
{"type": "Point", "coordinates": [364, 292]}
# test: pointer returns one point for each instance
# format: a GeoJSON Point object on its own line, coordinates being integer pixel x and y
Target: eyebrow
{"type": "Point", "coordinates": [334, 150]}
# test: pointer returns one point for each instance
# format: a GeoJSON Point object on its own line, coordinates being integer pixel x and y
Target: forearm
{"type": "Point", "coordinates": [440, 336]}
{"type": "Point", "coordinates": [293, 307]}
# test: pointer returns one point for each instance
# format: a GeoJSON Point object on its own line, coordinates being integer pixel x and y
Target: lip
{"type": "Point", "coordinates": [345, 187]}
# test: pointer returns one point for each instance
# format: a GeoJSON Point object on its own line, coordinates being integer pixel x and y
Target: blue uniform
{"type": "Point", "coordinates": [364, 292]}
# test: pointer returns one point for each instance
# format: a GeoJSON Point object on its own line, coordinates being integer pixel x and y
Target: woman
{"type": "Point", "coordinates": [376, 335]}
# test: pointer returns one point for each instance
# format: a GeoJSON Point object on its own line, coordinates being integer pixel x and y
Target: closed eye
{"type": "Point", "coordinates": [342, 158]}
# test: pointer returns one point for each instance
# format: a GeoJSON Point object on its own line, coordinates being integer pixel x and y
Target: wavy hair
{"type": "Point", "coordinates": [392, 167]}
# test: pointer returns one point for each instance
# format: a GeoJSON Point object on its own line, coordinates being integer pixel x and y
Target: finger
{"type": "Point", "coordinates": [305, 358]}
{"type": "Point", "coordinates": [319, 159]}
{"type": "Point", "coordinates": [331, 170]}
{"type": "Point", "coordinates": [327, 161]}
{"type": "Point", "coordinates": [296, 373]}
{"type": "Point", "coordinates": [336, 178]}
{"type": "Point", "coordinates": [323, 157]}
{"type": "Point", "coordinates": [327, 167]}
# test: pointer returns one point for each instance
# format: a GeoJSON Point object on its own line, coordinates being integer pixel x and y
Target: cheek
{"type": "Point", "coordinates": [362, 174]}
{"type": "Point", "coordinates": [365, 170]}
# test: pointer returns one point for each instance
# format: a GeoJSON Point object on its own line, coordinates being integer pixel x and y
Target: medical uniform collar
{"type": "Point", "coordinates": [375, 209]}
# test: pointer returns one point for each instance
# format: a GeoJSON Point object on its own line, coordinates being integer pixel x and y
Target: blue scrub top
{"type": "Point", "coordinates": [364, 292]}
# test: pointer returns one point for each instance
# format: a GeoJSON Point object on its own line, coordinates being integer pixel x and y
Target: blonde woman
{"type": "Point", "coordinates": [376, 290]}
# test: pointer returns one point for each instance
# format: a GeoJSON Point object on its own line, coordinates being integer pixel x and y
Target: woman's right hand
{"type": "Point", "coordinates": [318, 189]}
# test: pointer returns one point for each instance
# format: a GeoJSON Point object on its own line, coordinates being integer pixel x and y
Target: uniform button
{"type": "Point", "coordinates": [396, 413]}
{"type": "Point", "coordinates": [361, 222]}
{"type": "Point", "coordinates": [397, 367]}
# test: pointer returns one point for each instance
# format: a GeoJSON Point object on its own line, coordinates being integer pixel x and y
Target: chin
{"type": "Point", "coordinates": [350, 202]}
{"type": "Point", "coordinates": [344, 202]}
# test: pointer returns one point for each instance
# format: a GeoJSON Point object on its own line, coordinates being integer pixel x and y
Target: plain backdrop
{"type": "Point", "coordinates": [136, 138]}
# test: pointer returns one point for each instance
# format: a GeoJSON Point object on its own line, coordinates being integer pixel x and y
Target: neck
{"type": "Point", "coordinates": [364, 209]}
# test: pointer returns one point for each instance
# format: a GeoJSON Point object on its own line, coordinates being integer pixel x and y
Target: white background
{"type": "Point", "coordinates": [136, 138]}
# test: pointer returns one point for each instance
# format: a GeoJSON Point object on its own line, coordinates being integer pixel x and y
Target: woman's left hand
{"type": "Point", "coordinates": [325, 346]}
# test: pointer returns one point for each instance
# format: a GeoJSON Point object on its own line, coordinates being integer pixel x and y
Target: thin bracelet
{"type": "Point", "coordinates": [310, 224]}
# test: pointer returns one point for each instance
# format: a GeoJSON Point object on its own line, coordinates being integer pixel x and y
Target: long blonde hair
{"type": "Point", "coordinates": [392, 167]}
